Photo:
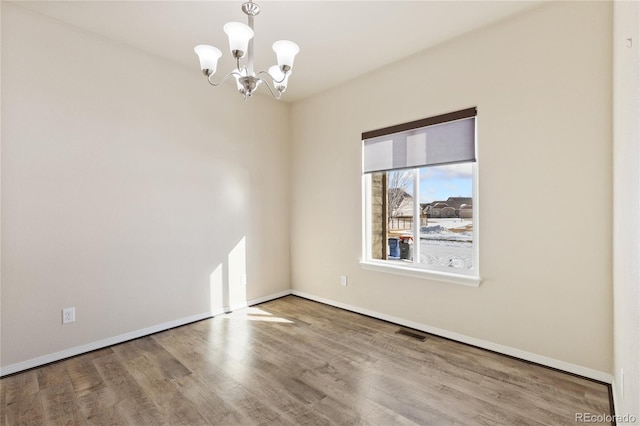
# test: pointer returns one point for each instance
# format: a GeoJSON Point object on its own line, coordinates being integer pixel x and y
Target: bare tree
{"type": "Point", "coordinates": [399, 183]}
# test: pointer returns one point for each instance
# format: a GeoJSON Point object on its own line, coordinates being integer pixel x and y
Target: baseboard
{"type": "Point", "coordinates": [268, 298]}
{"type": "Point", "coordinates": [506, 350]}
{"type": "Point", "coordinates": [57, 356]}
{"type": "Point", "coordinates": [614, 396]}
{"type": "Point", "coordinates": [100, 344]}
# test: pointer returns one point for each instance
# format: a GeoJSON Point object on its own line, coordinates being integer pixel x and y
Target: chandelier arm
{"type": "Point", "coordinates": [223, 79]}
{"type": "Point", "coordinates": [278, 96]}
{"type": "Point", "coordinates": [273, 79]}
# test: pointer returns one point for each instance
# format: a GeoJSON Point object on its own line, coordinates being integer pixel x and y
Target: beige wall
{"type": "Point", "coordinates": [542, 84]}
{"type": "Point", "coordinates": [626, 249]}
{"type": "Point", "coordinates": [131, 190]}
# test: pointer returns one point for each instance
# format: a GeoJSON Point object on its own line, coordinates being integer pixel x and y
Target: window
{"type": "Point", "coordinates": [420, 202]}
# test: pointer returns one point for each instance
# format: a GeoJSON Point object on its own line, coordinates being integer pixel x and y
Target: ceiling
{"type": "Point", "coordinates": [339, 40]}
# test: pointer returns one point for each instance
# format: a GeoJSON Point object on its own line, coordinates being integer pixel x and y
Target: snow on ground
{"type": "Point", "coordinates": [447, 243]}
{"type": "Point", "coordinates": [447, 229]}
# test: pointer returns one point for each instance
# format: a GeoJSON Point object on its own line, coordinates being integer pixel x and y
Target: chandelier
{"type": "Point", "coordinates": [241, 44]}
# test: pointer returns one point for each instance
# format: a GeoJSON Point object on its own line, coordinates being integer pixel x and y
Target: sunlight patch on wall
{"type": "Point", "coordinates": [216, 290]}
{"type": "Point", "coordinates": [228, 281]}
{"type": "Point", "coordinates": [237, 260]}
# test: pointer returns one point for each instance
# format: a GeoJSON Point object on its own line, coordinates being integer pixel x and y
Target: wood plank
{"type": "Point", "coordinates": [132, 402]}
{"type": "Point", "coordinates": [165, 394]}
{"type": "Point", "coordinates": [60, 405]}
{"type": "Point", "coordinates": [22, 399]}
{"type": "Point", "coordinates": [194, 353]}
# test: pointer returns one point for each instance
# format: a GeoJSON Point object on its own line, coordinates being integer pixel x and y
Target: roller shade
{"type": "Point", "coordinates": [445, 139]}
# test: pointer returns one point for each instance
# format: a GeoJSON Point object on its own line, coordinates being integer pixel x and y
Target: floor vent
{"type": "Point", "coordinates": [412, 334]}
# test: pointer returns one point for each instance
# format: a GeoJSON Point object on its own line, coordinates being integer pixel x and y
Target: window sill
{"type": "Point", "coordinates": [467, 280]}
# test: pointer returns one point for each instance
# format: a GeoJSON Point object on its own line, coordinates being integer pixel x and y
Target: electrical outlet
{"type": "Point", "coordinates": [68, 315]}
{"type": "Point", "coordinates": [343, 280]}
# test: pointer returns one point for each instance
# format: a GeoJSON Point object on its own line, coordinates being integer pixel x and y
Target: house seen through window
{"type": "Point", "coordinates": [419, 195]}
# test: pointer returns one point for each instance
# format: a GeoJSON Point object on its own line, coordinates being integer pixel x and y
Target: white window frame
{"type": "Point", "coordinates": [414, 269]}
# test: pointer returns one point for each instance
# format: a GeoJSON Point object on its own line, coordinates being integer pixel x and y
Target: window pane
{"type": "Point", "coordinates": [400, 199]}
{"type": "Point", "coordinates": [391, 209]}
{"type": "Point", "coordinates": [446, 228]}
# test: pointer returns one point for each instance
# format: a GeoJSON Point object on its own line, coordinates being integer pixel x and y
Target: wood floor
{"type": "Point", "coordinates": [292, 361]}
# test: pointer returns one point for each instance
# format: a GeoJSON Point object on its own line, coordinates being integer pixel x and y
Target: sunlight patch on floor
{"type": "Point", "coordinates": [255, 314]}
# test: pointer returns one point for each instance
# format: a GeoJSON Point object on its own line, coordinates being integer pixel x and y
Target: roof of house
{"type": "Point", "coordinates": [454, 202]}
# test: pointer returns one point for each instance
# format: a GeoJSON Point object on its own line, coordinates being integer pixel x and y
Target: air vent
{"type": "Point", "coordinates": [412, 334]}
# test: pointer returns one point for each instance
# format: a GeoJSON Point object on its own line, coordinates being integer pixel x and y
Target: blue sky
{"type": "Point", "coordinates": [441, 189]}
{"type": "Point", "coordinates": [442, 182]}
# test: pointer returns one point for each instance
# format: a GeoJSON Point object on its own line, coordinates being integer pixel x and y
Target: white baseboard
{"type": "Point", "coordinates": [78, 350]}
{"type": "Point", "coordinates": [268, 298]}
{"type": "Point", "coordinates": [506, 350]}
{"type": "Point", "coordinates": [110, 341]}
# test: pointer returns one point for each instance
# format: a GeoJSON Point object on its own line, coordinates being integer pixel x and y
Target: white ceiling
{"type": "Point", "coordinates": [339, 40]}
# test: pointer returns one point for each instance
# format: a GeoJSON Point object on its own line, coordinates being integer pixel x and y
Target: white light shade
{"type": "Point", "coordinates": [286, 51]}
{"type": "Point", "coordinates": [239, 35]}
{"type": "Point", "coordinates": [208, 56]}
{"type": "Point", "coordinates": [280, 78]}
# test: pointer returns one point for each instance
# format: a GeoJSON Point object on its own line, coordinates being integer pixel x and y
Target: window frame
{"type": "Point", "coordinates": [417, 270]}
